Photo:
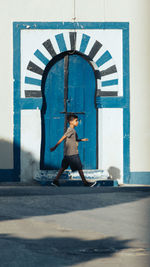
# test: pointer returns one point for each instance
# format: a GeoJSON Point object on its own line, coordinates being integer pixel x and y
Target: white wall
{"type": "Point", "coordinates": [110, 142]}
{"type": "Point", "coordinates": [30, 143]}
{"type": "Point", "coordinates": [135, 11]}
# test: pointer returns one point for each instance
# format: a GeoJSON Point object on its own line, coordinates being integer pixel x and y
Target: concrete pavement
{"type": "Point", "coordinates": [74, 226]}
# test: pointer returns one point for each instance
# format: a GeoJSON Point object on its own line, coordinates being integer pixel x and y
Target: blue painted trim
{"type": "Point", "coordinates": [126, 85]}
{"type": "Point", "coordinates": [71, 25]}
{"type": "Point", "coordinates": [9, 176]}
{"type": "Point", "coordinates": [31, 103]}
{"type": "Point", "coordinates": [34, 81]}
{"type": "Point", "coordinates": [126, 144]}
{"type": "Point", "coordinates": [41, 57]}
{"type": "Point", "coordinates": [61, 42]}
{"type": "Point", "coordinates": [142, 178]}
{"type": "Point", "coordinates": [103, 59]}
{"type": "Point", "coordinates": [17, 113]}
{"type": "Point", "coordinates": [102, 102]}
{"type": "Point", "coordinates": [110, 102]}
{"type": "Point", "coordinates": [126, 110]}
{"type": "Point", "coordinates": [110, 83]}
{"type": "Point", "coordinates": [84, 43]}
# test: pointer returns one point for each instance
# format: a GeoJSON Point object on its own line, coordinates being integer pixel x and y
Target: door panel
{"type": "Point", "coordinates": [53, 120]}
{"type": "Point", "coordinates": [81, 96]}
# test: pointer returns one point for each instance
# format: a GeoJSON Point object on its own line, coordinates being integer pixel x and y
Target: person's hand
{"type": "Point", "coordinates": [52, 148]}
{"type": "Point", "coordinates": [85, 139]}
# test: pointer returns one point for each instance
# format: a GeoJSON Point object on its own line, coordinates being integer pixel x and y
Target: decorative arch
{"type": "Point", "coordinates": [100, 58]}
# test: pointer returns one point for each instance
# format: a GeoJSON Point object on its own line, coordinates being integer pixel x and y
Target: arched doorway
{"type": "Point", "coordinates": [69, 87]}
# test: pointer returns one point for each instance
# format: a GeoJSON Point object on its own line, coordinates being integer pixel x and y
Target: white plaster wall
{"type": "Point", "coordinates": [30, 143]}
{"type": "Point", "coordinates": [135, 11]}
{"type": "Point", "coordinates": [110, 131]}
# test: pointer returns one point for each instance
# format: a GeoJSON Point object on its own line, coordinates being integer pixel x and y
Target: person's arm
{"type": "Point", "coordinates": [82, 140]}
{"type": "Point", "coordinates": [58, 143]}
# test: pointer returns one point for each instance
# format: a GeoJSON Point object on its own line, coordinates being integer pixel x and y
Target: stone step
{"type": "Point", "coordinates": [71, 183]}
{"type": "Point", "coordinates": [70, 178]}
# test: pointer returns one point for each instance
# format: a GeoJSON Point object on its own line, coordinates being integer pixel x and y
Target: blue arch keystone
{"type": "Point", "coordinates": [110, 82]}
{"type": "Point", "coordinates": [33, 81]}
{"type": "Point", "coordinates": [61, 42]}
{"type": "Point", "coordinates": [41, 57]}
{"type": "Point", "coordinates": [103, 59]}
{"type": "Point", "coordinates": [84, 43]}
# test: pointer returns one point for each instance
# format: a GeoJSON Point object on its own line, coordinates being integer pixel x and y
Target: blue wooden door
{"type": "Point", "coordinates": [52, 119]}
{"type": "Point", "coordinates": [80, 99]}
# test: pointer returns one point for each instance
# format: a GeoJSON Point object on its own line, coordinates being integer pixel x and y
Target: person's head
{"type": "Point", "coordinates": [73, 119]}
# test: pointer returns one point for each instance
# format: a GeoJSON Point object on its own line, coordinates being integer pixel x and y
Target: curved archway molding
{"type": "Point", "coordinates": [100, 58]}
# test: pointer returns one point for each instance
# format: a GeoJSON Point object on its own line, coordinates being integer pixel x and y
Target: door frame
{"type": "Point", "coordinates": [101, 102]}
{"type": "Point", "coordinates": [44, 78]}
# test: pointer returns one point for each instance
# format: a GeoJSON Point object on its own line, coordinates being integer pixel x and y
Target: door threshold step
{"type": "Point", "coordinates": [95, 174]}
{"type": "Point", "coordinates": [69, 178]}
{"type": "Point", "coordinates": [71, 183]}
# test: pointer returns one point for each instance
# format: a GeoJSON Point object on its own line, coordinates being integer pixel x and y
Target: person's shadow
{"type": "Point", "coordinates": [114, 173]}
{"type": "Point", "coordinates": [60, 251]}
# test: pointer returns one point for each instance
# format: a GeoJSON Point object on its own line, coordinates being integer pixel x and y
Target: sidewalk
{"type": "Point", "coordinates": [74, 226]}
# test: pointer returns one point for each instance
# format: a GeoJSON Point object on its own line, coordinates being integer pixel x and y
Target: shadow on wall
{"type": "Point", "coordinates": [6, 154]}
{"type": "Point", "coordinates": [114, 173]}
{"type": "Point", "coordinates": [28, 161]}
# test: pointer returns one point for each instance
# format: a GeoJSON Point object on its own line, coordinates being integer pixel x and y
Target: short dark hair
{"type": "Point", "coordinates": [71, 117]}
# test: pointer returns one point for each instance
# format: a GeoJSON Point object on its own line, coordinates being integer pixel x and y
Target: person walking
{"type": "Point", "coordinates": [71, 154]}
